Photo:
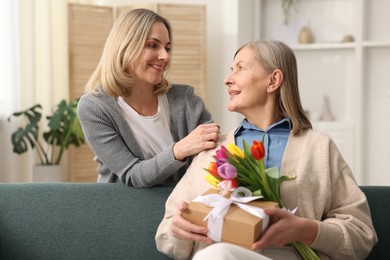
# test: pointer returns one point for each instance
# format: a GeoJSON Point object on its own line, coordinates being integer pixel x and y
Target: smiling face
{"type": "Point", "coordinates": [155, 57]}
{"type": "Point", "coordinates": [247, 84]}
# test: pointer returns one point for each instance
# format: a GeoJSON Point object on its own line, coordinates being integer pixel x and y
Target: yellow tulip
{"type": "Point", "coordinates": [235, 150]}
{"type": "Point", "coordinates": [212, 180]}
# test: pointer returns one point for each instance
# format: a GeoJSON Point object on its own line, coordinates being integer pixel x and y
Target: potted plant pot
{"type": "Point", "coordinates": [47, 173]}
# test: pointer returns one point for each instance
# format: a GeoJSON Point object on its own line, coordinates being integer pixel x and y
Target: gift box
{"type": "Point", "coordinates": [239, 227]}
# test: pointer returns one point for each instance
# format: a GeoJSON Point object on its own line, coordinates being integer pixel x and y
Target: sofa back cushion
{"type": "Point", "coordinates": [80, 221]}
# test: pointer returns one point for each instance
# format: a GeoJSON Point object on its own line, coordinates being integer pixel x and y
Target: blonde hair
{"type": "Point", "coordinates": [123, 47]}
{"type": "Point", "coordinates": [277, 55]}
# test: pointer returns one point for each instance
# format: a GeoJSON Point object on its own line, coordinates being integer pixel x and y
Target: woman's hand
{"type": "Point", "coordinates": [287, 229]}
{"type": "Point", "coordinates": [203, 137]}
{"type": "Point", "coordinates": [185, 230]}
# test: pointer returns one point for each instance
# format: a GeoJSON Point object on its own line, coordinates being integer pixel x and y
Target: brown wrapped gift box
{"type": "Point", "coordinates": [239, 227]}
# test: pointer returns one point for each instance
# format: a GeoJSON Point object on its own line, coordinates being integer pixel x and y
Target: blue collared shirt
{"type": "Point", "coordinates": [275, 139]}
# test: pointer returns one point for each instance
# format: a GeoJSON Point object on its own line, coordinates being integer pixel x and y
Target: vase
{"type": "Point", "coordinates": [348, 38]}
{"type": "Point", "coordinates": [47, 173]}
{"type": "Point", "coordinates": [305, 35]}
{"type": "Point", "coordinates": [326, 114]}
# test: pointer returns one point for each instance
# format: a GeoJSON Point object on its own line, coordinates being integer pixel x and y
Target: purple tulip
{"type": "Point", "coordinates": [227, 171]}
{"type": "Point", "coordinates": [221, 161]}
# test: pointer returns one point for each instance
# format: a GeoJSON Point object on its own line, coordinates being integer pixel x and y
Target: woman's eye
{"type": "Point", "coordinates": [168, 49]}
{"type": "Point", "coordinates": [152, 45]}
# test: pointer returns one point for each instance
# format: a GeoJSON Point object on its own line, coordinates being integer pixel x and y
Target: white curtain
{"type": "Point", "coordinates": [9, 61]}
{"type": "Point", "coordinates": [34, 69]}
{"type": "Point", "coordinates": [10, 87]}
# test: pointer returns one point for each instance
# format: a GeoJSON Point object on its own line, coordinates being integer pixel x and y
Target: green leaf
{"type": "Point", "coordinates": [273, 172]}
{"type": "Point", "coordinates": [65, 128]}
{"type": "Point", "coordinates": [23, 137]}
{"type": "Point", "coordinates": [32, 114]}
{"type": "Point", "coordinates": [284, 178]}
{"type": "Point", "coordinates": [26, 136]}
{"type": "Point", "coordinates": [257, 193]}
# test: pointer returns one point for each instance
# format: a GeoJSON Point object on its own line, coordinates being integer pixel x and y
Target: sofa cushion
{"type": "Point", "coordinates": [80, 221]}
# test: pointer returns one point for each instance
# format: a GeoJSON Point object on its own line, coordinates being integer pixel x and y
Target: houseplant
{"type": "Point", "coordinates": [63, 130]}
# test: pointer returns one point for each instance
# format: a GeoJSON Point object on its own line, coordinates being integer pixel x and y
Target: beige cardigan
{"type": "Point", "coordinates": [324, 189]}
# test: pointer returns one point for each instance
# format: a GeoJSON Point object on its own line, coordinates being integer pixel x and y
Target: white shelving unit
{"type": "Point", "coordinates": [354, 75]}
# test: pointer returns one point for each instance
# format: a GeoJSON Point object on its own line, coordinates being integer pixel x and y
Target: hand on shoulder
{"type": "Point", "coordinates": [203, 137]}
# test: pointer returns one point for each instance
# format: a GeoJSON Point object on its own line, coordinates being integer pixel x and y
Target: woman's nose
{"type": "Point", "coordinates": [163, 54]}
{"type": "Point", "coordinates": [228, 80]}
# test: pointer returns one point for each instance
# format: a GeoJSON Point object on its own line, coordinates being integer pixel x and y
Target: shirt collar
{"type": "Point", "coordinates": [285, 123]}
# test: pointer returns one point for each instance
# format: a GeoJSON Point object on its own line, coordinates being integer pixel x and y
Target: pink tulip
{"type": "Point", "coordinates": [221, 153]}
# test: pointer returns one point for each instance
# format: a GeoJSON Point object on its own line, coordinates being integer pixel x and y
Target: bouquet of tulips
{"type": "Point", "coordinates": [233, 167]}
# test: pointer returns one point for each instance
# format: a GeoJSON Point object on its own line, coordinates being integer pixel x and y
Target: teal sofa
{"type": "Point", "coordinates": [68, 221]}
{"type": "Point", "coordinates": [108, 221]}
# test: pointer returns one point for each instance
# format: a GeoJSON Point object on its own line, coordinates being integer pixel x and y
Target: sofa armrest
{"type": "Point", "coordinates": [379, 201]}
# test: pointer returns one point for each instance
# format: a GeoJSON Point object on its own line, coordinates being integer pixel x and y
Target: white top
{"type": "Point", "coordinates": [153, 133]}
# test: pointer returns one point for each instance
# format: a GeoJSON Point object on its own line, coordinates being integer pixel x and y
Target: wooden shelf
{"type": "Point", "coordinates": [376, 44]}
{"type": "Point", "coordinates": [323, 46]}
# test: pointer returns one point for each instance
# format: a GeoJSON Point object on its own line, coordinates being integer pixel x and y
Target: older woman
{"type": "Point", "coordinates": [333, 216]}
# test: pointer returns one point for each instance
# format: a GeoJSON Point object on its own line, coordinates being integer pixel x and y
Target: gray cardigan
{"type": "Point", "coordinates": [117, 152]}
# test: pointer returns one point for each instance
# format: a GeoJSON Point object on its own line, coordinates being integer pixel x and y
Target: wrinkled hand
{"type": "Point", "coordinates": [287, 229]}
{"type": "Point", "coordinates": [203, 137]}
{"type": "Point", "coordinates": [185, 230]}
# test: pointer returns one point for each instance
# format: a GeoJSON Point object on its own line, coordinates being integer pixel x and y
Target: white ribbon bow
{"type": "Point", "coordinates": [221, 206]}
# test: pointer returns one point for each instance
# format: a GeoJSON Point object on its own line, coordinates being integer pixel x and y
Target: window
{"type": "Point", "coordinates": [9, 46]}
